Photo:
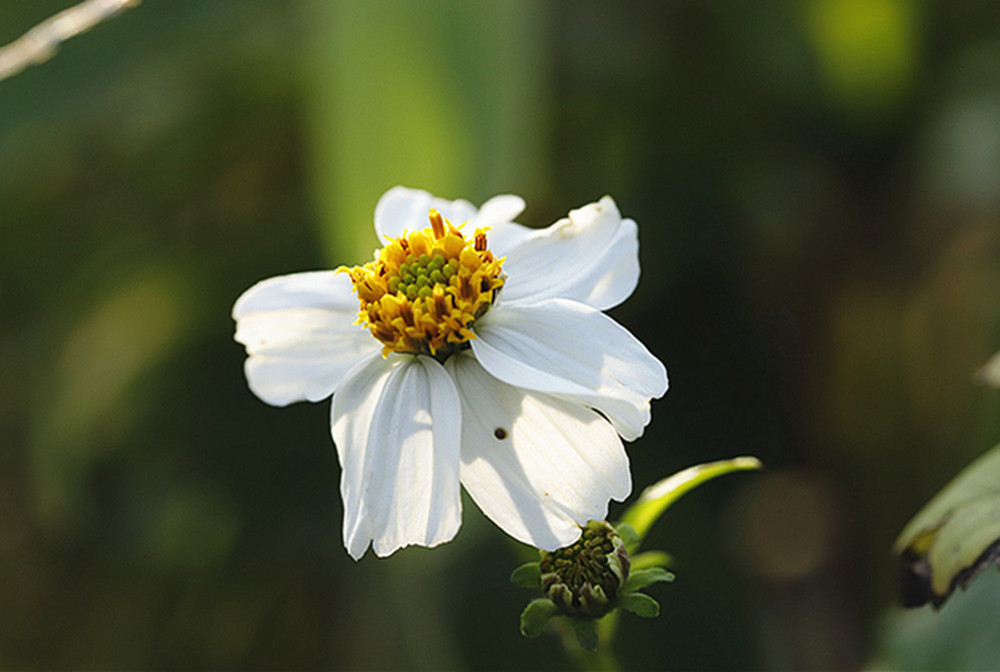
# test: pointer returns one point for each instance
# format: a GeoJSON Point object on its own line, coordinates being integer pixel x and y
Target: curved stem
{"type": "Point", "coordinates": [601, 660]}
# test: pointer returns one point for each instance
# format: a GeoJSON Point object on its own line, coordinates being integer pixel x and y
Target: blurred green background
{"type": "Point", "coordinates": [817, 185]}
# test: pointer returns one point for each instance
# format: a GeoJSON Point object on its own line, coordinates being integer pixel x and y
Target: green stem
{"type": "Point", "coordinates": [601, 660]}
{"type": "Point", "coordinates": [606, 629]}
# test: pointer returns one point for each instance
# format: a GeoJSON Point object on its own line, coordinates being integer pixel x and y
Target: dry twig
{"type": "Point", "coordinates": [40, 43]}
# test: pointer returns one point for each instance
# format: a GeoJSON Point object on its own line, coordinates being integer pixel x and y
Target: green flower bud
{"type": "Point", "coordinates": [584, 579]}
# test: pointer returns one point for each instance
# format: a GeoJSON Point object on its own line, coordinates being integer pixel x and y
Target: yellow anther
{"type": "Point", "coordinates": [437, 223]}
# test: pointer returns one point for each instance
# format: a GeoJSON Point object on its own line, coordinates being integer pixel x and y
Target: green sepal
{"type": "Point", "coordinates": [586, 633]}
{"type": "Point", "coordinates": [628, 537]}
{"type": "Point", "coordinates": [536, 616]}
{"type": "Point", "coordinates": [646, 577]}
{"type": "Point", "coordinates": [651, 559]}
{"type": "Point", "coordinates": [528, 575]}
{"type": "Point", "coordinates": [639, 604]}
{"type": "Point", "coordinates": [657, 498]}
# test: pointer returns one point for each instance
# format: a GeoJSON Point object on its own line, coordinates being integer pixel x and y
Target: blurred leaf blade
{"type": "Point", "coordinates": [989, 373]}
{"type": "Point", "coordinates": [399, 96]}
{"type": "Point", "coordinates": [954, 537]}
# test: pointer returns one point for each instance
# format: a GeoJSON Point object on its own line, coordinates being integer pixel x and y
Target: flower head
{"type": "Point", "coordinates": [424, 290]}
{"type": "Point", "coordinates": [471, 350]}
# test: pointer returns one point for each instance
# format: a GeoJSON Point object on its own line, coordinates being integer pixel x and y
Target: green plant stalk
{"type": "Point", "coordinates": [601, 660]}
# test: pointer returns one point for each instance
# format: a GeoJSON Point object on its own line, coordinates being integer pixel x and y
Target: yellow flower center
{"type": "Point", "coordinates": [425, 289]}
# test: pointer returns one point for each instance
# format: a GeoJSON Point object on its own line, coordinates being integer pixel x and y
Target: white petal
{"type": "Point", "coordinates": [300, 335]}
{"type": "Point", "coordinates": [313, 289]}
{"type": "Point", "coordinates": [505, 236]}
{"type": "Point", "coordinates": [572, 350]}
{"type": "Point", "coordinates": [555, 467]}
{"type": "Point", "coordinates": [592, 257]}
{"type": "Point", "coordinates": [397, 423]}
{"type": "Point", "coordinates": [499, 210]}
{"type": "Point", "coordinates": [402, 209]}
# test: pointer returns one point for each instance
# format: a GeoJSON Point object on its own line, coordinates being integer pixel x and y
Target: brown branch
{"type": "Point", "coordinates": [41, 42]}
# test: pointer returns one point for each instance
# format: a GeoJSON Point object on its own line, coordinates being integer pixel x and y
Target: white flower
{"type": "Point", "coordinates": [496, 369]}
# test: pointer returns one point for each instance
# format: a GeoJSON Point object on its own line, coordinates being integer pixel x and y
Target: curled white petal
{"type": "Point", "coordinates": [300, 335]}
{"type": "Point", "coordinates": [575, 351]}
{"type": "Point", "coordinates": [497, 214]}
{"type": "Point", "coordinates": [592, 256]}
{"type": "Point", "coordinates": [536, 465]}
{"type": "Point", "coordinates": [500, 209]}
{"type": "Point", "coordinates": [397, 425]}
{"type": "Point", "coordinates": [403, 209]}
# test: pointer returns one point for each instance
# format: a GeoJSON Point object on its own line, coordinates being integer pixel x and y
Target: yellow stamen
{"type": "Point", "coordinates": [425, 288]}
{"type": "Point", "coordinates": [437, 223]}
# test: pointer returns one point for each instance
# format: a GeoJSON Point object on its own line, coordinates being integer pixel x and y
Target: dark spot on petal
{"type": "Point", "coordinates": [500, 433]}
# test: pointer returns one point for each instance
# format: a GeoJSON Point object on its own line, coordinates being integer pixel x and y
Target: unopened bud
{"type": "Point", "coordinates": [584, 579]}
